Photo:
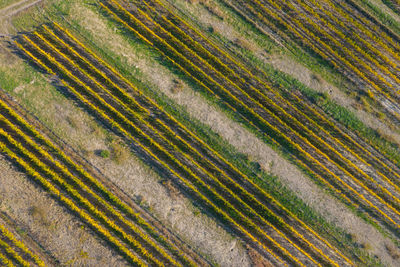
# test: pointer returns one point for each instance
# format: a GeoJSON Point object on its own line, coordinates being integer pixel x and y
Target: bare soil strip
{"type": "Point", "coordinates": [7, 8]}
{"type": "Point", "coordinates": [14, 12]}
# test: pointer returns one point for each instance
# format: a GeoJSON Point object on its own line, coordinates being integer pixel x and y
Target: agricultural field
{"type": "Point", "coordinates": [199, 133]}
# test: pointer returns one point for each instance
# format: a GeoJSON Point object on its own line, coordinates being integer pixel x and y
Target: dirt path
{"type": "Point", "coordinates": [16, 11]}
{"type": "Point", "coordinates": [7, 8]}
{"type": "Point", "coordinates": [8, 12]}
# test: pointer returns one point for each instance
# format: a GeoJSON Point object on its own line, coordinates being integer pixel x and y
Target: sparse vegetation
{"type": "Point", "coordinates": [177, 86]}
{"type": "Point", "coordinates": [393, 251]}
{"type": "Point", "coordinates": [39, 214]}
{"type": "Point", "coordinates": [104, 154]}
{"type": "Point", "coordinates": [119, 152]}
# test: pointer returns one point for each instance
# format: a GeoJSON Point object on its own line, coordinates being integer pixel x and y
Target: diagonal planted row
{"type": "Point", "coordinates": [154, 145]}
{"type": "Point", "coordinates": [300, 31]}
{"type": "Point", "coordinates": [5, 260]}
{"type": "Point", "coordinates": [357, 13]}
{"type": "Point", "coordinates": [346, 137]}
{"type": "Point", "coordinates": [374, 160]}
{"type": "Point", "coordinates": [26, 165]}
{"type": "Point", "coordinates": [12, 254]}
{"type": "Point", "coordinates": [314, 136]}
{"type": "Point", "coordinates": [170, 130]}
{"type": "Point", "coordinates": [347, 56]}
{"type": "Point", "coordinates": [360, 42]}
{"type": "Point", "coordinates": [184, 30]}
{"type": "Point", "coordinates": [106, 208]}
{"type": "Point", "coordinates": [16, 251]}
{"type": "Point", "coordinates": [350, 49]}
{"type": "Point", "coordinates": [280, 103]}
{"type": "Point", "coordinates": [193, 137]}
{"type": "Point", "coordinates": [355, 172]}
{"type": "Point", "coordinates": [364, 150]}
{"type": "Point", "coordinates": [302, 116]}
{"type": "Point", "coordinates": [378, 37]}
{"type": "Point", "coordinates": [189, 167]}
{"type": "Point", "coordinates": [96, 186]}
{"type": "Point", "coordinates": [187, 145]}
{"type": "Point", "coordinates": [24, 152]}
{"type": "Point", "coordinates": [117, 108]}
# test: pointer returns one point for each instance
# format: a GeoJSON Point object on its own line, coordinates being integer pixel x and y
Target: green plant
{"type": "Point", "coordinates": [104, 154]}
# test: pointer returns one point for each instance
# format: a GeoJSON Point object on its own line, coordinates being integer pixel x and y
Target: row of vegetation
{"type": "Point", "coordinates": [381, 205]}
{"type": "Point", "coordinates": [73, 186]}
{"type": "Point", "coordinates": [89, 70]}
{"type": "Point", "coordinates": [128, 116]}
{"type": "Point", "coordinates": [84, 78]}
{"type": "Point", "coordinates": [142, 129]}
{"type": "Point", "coordinates": [14, 252]}
{"type": "Point", "coordinates": [341, 116]}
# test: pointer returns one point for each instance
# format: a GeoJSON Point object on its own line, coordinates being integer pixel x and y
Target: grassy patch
{"type": "Point", "coordinates": [383, 17]}
{"type": "Point", "coordinates": [5, 3]}
{"type": "Point", "coordinates": [390, 4]}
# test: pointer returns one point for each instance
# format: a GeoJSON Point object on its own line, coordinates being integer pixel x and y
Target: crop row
{"type": "Point", "coordinates": [177, 124]}
{"type": "Point", "coordinates": [94, 183]}
{"type": "Point", "coordinates": [377, 159]}
{"type": "Point", "coordinates": [215, 78]}
{"type": "Point", "coordinates": [88, 198]}
{"type": "Point", "coordinates": [85, 82]}
{"type": "Point", "coordinates": [5, 261]}
{"type": "Point", "coordinates": [21, 153]}
{"type": "Point", "coordinates": [302, 115]}
{"type": "Point", "coordinates": [170, 22]}
{"type": "Point", "coordinates": [159, 154]}
{"type": "Point", "coordinates": [17, 249]}
{"type": "Point", "coordinates": [360, 44]}
{"type": "Point", "coordinates": [297, 110]}
{"type": "Point", "coordinates": [354, 9]}
{"type": "Point", "coordinates": [322, 47]}
{"type": "Point", "coordinates": [157, 151]}
{"type": "Point", "coordinates": [12, 253]}
{"type": "Point", "coordinates": [375, 35]}
{"type": "Point", "coordinates": [197, 165]}
{"type": "Point", "coordinates": [339, 47]}
{"type": "Point", "coordinates": [392, 211]}
{"type": "Point", "coordinates": [338, 57]}
{"type": "Point", "coordinates": [355, 154]}
{"type": "Point", "coordinates": [347, 139]}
